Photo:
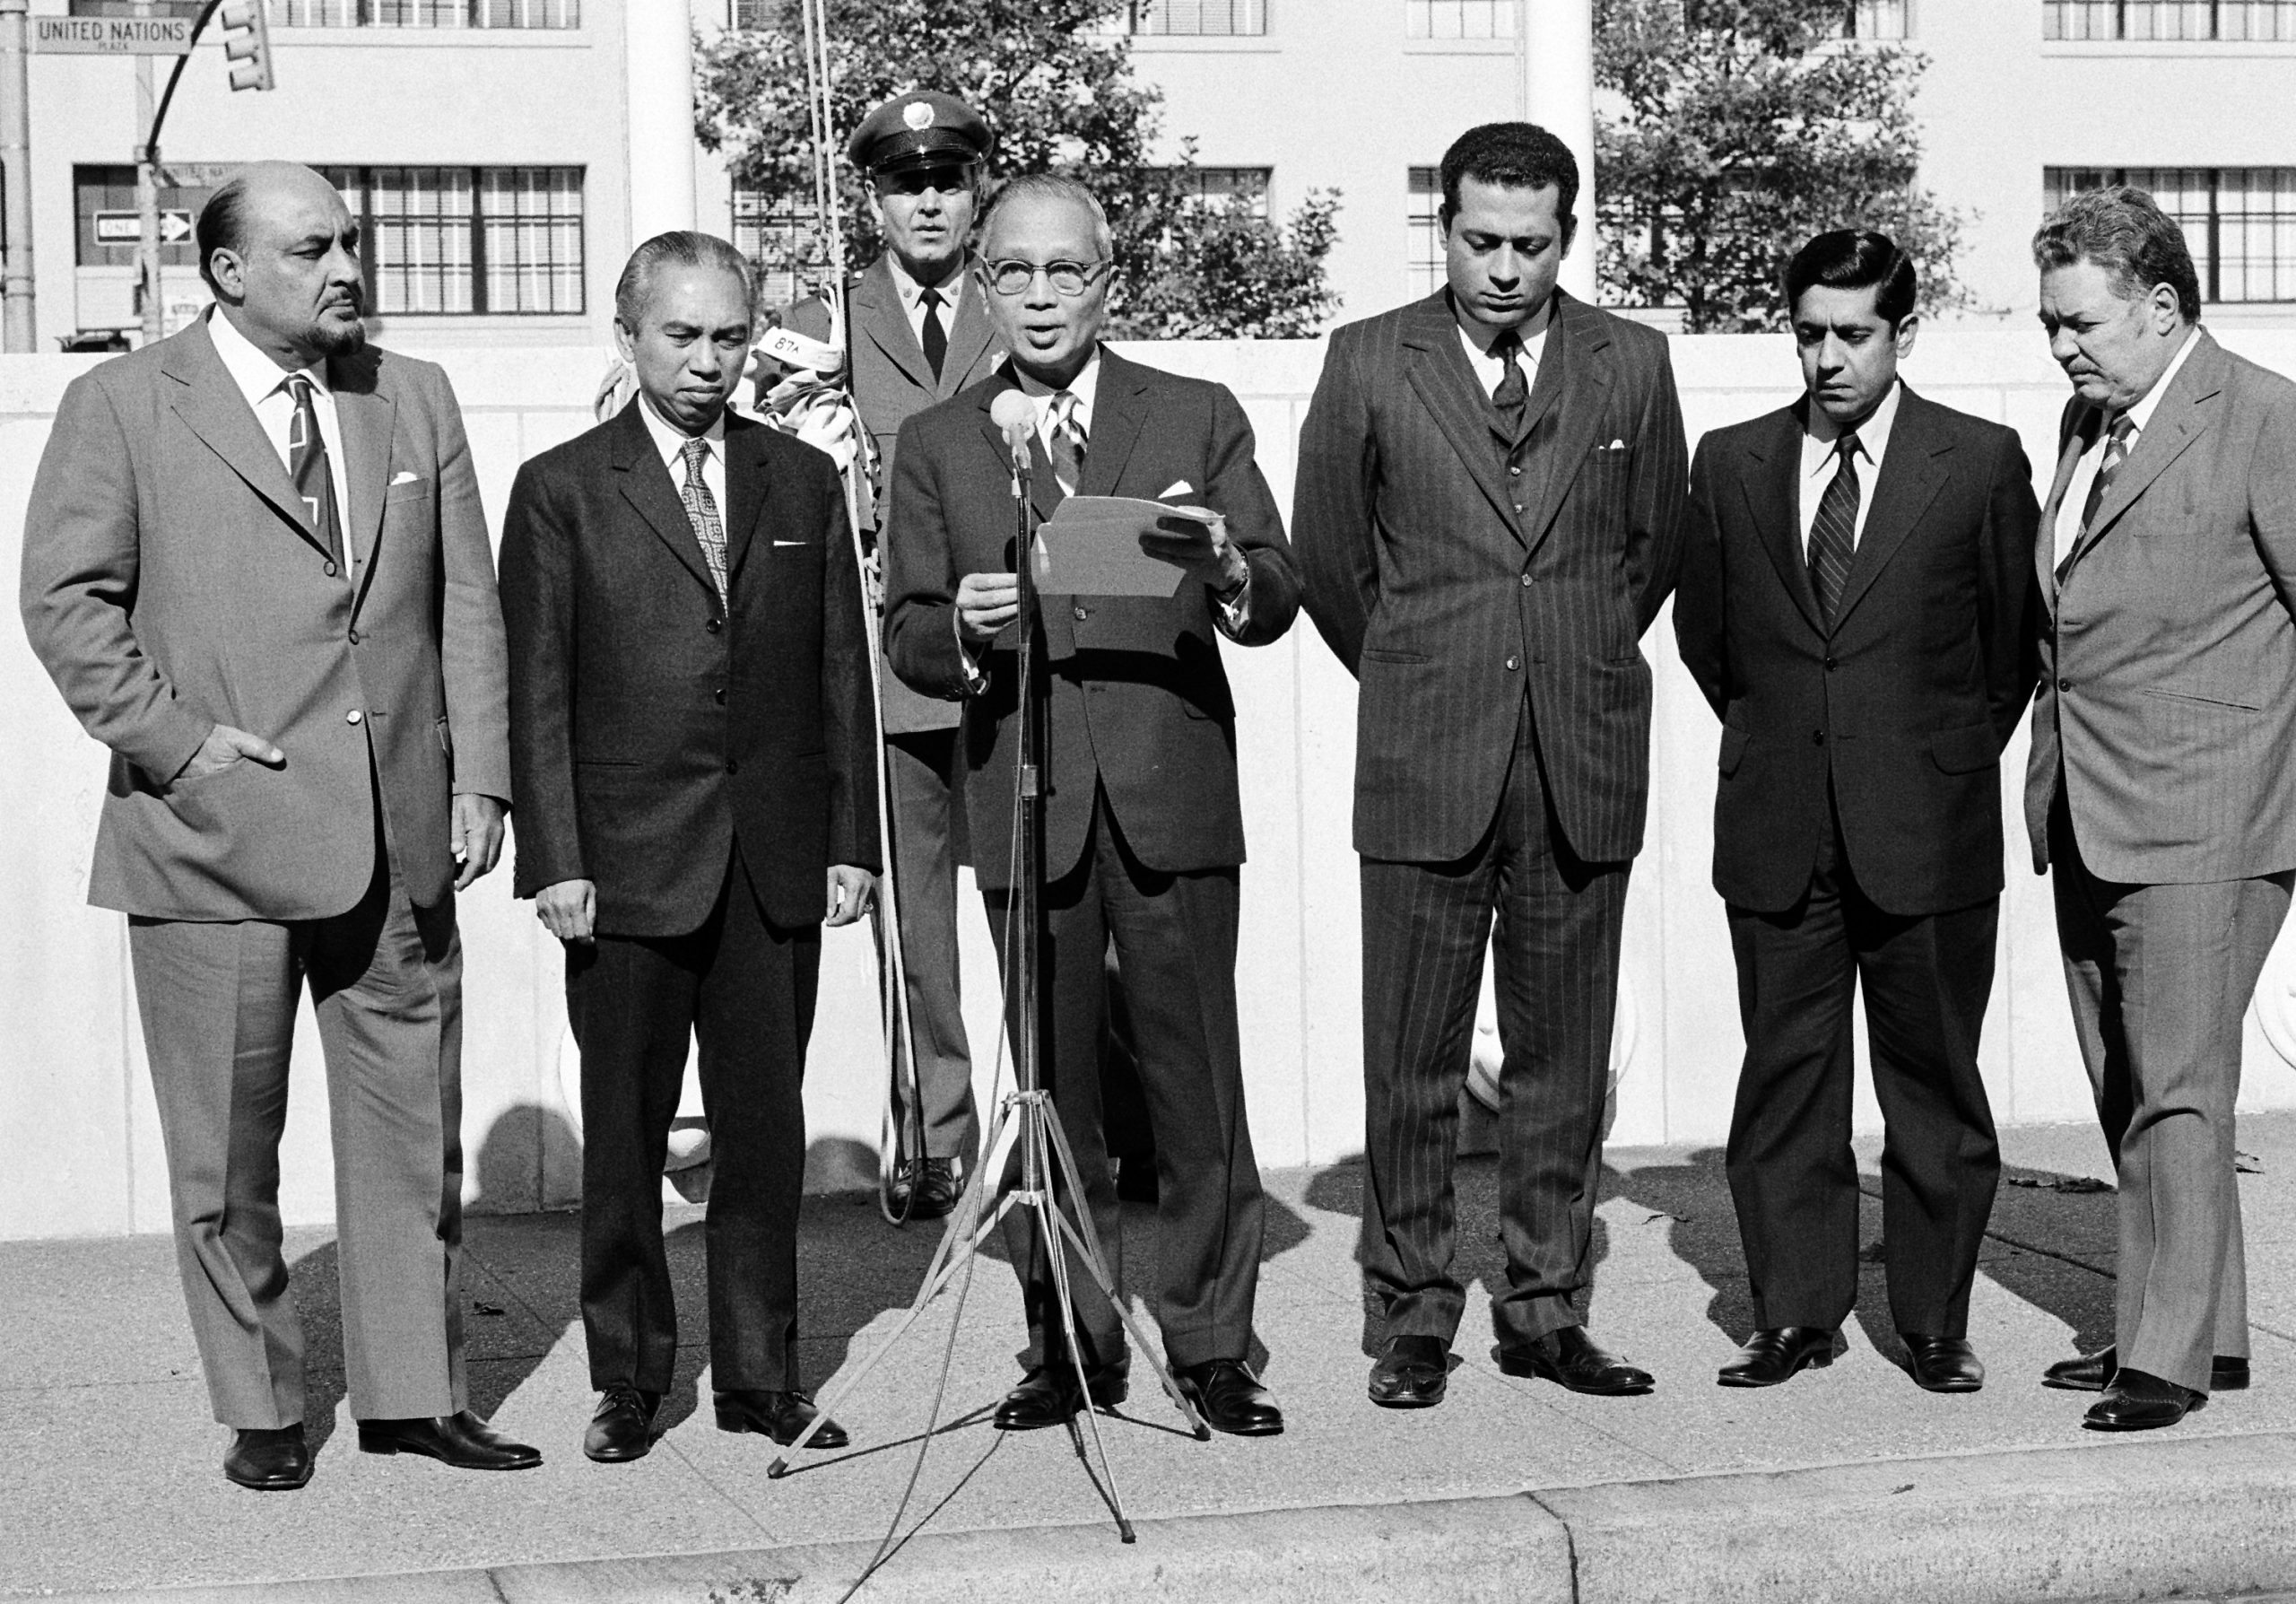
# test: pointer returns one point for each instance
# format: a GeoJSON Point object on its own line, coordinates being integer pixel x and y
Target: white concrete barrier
{"type": "Point", "coordinates": [80, 1149]}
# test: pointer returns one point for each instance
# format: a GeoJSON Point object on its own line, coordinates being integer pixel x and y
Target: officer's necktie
{"type": "Point", "coordinates": [1833, 533]}
{"type": "Point", "coordinates": [306, 464]}
{"type": "Point", "coordinates": [934, 338]}
{"type": "Point", "coordinates": [702, 509]}
{"type": "Point", "coordinates": [1067, 448]}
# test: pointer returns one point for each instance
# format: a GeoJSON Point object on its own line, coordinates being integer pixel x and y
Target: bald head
{"type": "Point", "coordinates": [281, 251]}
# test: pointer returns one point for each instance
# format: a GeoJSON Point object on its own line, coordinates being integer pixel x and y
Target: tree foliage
{"type": "Point", "coordinates": [1745, 126]}
{"type": "Point", "coordinates": [1055, 80]}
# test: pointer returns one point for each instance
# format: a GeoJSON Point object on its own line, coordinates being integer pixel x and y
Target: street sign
{"type": "Point", "coordinates": [126, 228]}
{"type": "Point", "coordinates": [112, 36]}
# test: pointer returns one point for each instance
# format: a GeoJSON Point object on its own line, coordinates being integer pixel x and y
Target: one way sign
{"type": "Point", "coordinates": [125, 228]}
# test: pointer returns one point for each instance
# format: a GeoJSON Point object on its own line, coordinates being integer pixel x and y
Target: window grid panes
{"type": "Point", "coordinates": [1199, 18]}
{"type": "Point", "coordinates": [426, 13]}
{"type": "Point", "coordinates": [454, 242]}
{"type": "Point", "coordinates": [2236, 21]}
{"type": "Point", "coordinates": [2239, 223]}
{"type": "Point", "coordinates": [1459, 19]}
{"type": "Point", "coordinates": [1424, 219]}
{"type": "Point", "coordinates": [1876, 18]}
{"type": "Point", "coordinates": [1212, 186]}
{"type": "Point", "coordinates": [779, 238]}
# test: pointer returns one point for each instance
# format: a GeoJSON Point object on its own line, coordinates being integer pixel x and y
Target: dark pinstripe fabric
{"type": "Point", "coordinates": [1490, 604]}
{"type": "Point", "coordinates": [1450, 607]}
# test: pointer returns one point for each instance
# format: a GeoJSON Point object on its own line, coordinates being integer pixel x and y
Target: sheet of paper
{"type": "Point", "coordinates": [1091, 547]}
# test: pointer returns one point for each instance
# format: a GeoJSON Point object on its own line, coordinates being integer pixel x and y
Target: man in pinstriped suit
{"type": "Point", "coordinates": [1489, 514]}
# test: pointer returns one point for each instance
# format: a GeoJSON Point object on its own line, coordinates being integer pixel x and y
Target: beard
{"type": "Point", "coordinates": [334, 337]}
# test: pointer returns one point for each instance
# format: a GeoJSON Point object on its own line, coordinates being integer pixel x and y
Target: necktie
{"type": "Point", "coordinates": [702, 508]}
{"type": "Point", "coordinates": [935, 338]}
{"type": "Point", "coordinates": [1514, 392]}
{"type": "Point", "coordinates": [1067, 448]}
{"type": "Point", "coordinates": [306, 464]}
{"type": "Point", "coordinates": [2108, 467]}
{"type": "Point", "coordinates": [1833, 533]}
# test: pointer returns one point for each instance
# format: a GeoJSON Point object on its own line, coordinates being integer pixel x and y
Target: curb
{"type": "Point", "coordinates": [2123, 1520]}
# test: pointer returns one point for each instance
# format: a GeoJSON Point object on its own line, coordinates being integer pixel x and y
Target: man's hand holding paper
{"type": "Point", "coordinates": [1195, 539]}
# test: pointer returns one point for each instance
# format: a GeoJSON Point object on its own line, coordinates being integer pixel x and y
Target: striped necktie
{"type": "Point", "coordinates": [1067, 447]}
{"type": "Point", "coordinates": [702, 509]}
{"type": "Point", "coordinates": [1833, 533]}
{"type": "Point", "coordinates": [314, 477]}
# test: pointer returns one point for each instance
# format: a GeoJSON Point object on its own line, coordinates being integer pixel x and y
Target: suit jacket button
{"type": "Point", "coordinates": [2065, 684]}
{"type": "Point", "coordinates": [719, 695]}
{"type": "Point", "coordinates": [714, 624]}
{"type": "Point", "coordinates": [354, 637]}
{"type": "Point", "coordinates": [1082, 612]}
{"type": "Point", "coordinates": [732, 766]}
{"type": "Point", "coordinates": [1831, 664]}
{"type": "Point", "coordinates": [1817, 737]}
{"type": "Point", "coordinates": [1528, 581]}
{"type": "Point", "coordinates": [1515, 470]}
{"type": "Point", "coordinates": [1513, 663]}
{"type": "Point", "coordinates": [353, 716]}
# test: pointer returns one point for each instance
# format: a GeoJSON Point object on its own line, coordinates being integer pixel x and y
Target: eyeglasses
{"type": "Point", "coordinates": [916, 180]}
{"type": "Point", "coordinates": [1068, 278]}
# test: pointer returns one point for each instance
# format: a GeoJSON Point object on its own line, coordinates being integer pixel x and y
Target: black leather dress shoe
{"type": "Point", "coordinates": [269, 1459]}
{"type": "Point", "coordinates": [1570, 1358]}
{"type": "Point", "coordinates": [1776, 1354]}
{"type": "Point", "coordinates": [928, 1188]}
{"type": "Point", "coordinates": [781, 1416]}
{"type": "Point", "coordinates": [2093, 1372]}
{"type": "Point", "coordinates": [463, 1441]}
{"type": "Point", "coordinates": [1944, 1363]}
{"type": "Point", "coordinates": [1231, 1399]}
{"type": "Point", "coordinates": [1413, 1374]}
{"type": "Point", "coordinates": [2137, 1402]}
{"type": "Point", "coordinates": [1048, 1396]}
{"type": "Point", "coordinates": [623, 1428]}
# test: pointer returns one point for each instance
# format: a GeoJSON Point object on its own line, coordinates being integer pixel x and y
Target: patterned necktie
{"type": "Point", "coordinates": [934, 338]}
{"type": "Point", "coordinates": [702, 508]}
{"type": "Point", "coordinates": [1067, 448]}
{"type": "Point", "coordinates": [1833, 533]}
{"type": "Point", "coordinates": [306, 464]}
{"type": "Point", "coordinates": [2108, 467]}
{"type": "Point", "coordinates": [1514, 392]}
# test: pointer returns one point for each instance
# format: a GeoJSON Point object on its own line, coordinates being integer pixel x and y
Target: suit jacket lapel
{"type": "Point", "coordinates": [971, 335]}
{"type": "Point", "coordinates": [1438, 372]}
{"type": "Point", "coordinates": [367, 419]}
{"type": "Point", "coordinates": [1912, 472]}
{"type": "Point", "coordinates": [1576, 348]}
{"type": "Point", "coordinates": [2183, 415]}
{"type": "Point", "coordinates": [1118, 411]}
{"type": "Point", "coordinates": [213, 408]}
{"type": "Point", "coordinates": [747, 490]}
{"type": "Point", "coordinates": [877, 309]}
{"type": "Point", "coordinates": [1773, 490]}
{"type": "Point", "coordinates": [647, 486]}
{"type": "Point", "coordinates": [2076, 433]}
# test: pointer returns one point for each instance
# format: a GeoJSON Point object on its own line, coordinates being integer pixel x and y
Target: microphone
{"type": "Point", "coordinates": [1011, 413]}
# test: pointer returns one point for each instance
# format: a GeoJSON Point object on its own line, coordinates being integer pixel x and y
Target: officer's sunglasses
{"type": "Point", "coordinates": [1068, 278]}
{"type": "Point", "coordinates": [954, 179]}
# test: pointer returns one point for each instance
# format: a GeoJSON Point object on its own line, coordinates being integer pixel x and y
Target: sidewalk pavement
{"type": "Point", "coordinates": [1847, 1484]}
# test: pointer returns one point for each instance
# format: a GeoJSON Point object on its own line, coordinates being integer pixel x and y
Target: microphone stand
{"type": "Point", "coordinates": [1047, 1165]}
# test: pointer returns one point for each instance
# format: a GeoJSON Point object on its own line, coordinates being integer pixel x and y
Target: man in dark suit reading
{"type": "Point", "coordinates": [1143, 825]}
{"type": "Point", "coordinates": [1854, 605]}
{"type": "Point", "coordinates": [691, 728]}
{"type": "Point", "coordinates": [1488, 511]}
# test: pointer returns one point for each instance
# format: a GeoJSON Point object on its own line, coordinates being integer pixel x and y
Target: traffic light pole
{"type": "Point", "coordinates": [147, 177]}
{"type": "Point", "coordinates": [16, 331]}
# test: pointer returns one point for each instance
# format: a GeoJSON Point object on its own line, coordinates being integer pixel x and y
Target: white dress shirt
{"type": "Point", "coordinates": [1819, 464]}
{"type": "Point", "coordinates": [1490, 372]}
{"type": "Point", "coordinates": [670, 439]}
{"type": "Point", "coordinates": [912, 298]}
{"type": "Point", "coordinates": [263, 382]}
{"type": "Point", "coordinates": [1086, 387]}
{"type": "Point", "coordinates": [2067, 533]}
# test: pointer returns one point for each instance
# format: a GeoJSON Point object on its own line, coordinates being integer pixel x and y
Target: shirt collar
{"type": "Point", "coordinates": [1820, 432]}
{"type": "Point", "coordinates": [1479, 337]}
{"type": "Point", "coordinates": [1084, 387]}
{"type": "Point", "coordinates": [2139, 413]}
{"type": "Point", "coordinates": [909, 290]}
{"type": "Point", "coordinates": [256, 373]}
{"type": "Point", "coordinates": [670, 439]}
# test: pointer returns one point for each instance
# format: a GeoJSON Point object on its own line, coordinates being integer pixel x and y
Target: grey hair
{"type": "Point", "coordinates": [2124, 232]}
{"type": "Point", "coordinates": [680, 249]}
{"type": "Point", "coordinates": [1055, 186]}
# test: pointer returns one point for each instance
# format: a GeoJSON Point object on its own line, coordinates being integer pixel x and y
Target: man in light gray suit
{"type": "Point", "coordinates": [2161, 792]}
{"type": "Point", "coordinates": [256, 565]}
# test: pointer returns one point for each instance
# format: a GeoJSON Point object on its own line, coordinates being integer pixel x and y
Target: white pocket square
{"type": "Point", "coordinates": [788, 543]}
{"type": "Point", "coordinates": [1178, 487]}
{"type": "Point", "coordinates": [404, 477]}
{"type": "Point", "coordinates": [1616, 445]}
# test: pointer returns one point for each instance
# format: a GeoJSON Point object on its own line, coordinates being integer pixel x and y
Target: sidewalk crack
{"type": "Point", "coordinates": [1570, 1539]}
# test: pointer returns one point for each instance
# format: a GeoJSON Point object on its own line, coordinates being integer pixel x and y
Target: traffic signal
{"type": "Point", "coordinates": [247, 44]}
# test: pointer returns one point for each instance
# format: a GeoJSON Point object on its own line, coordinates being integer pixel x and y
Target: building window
{"type": "Point", "coordinates": [2240, 222]}
{"type": "Point", "coordinates": [758, 15]}
{"type": "Point", "coordinates": [110, 226]}
{"type": "Point", "coordinates": [1198, 18]}
{"type": "Point", "coordinates": [1876, 18]}
{"type": "Point", "coordinates": [1425, 221]}
{"type": "Point", "coordinates": [1212, 188]}
{"type": "Point", "coordinates": [426, 13]}
{"type": "Point", "coordinates": [2223, 20]}
{"type": "Point", "coordinates": [780, 239]}
{"type": "Point", "coordinates": [1459, 19]}
{"type": "Point", "coordinates": [449, 242]}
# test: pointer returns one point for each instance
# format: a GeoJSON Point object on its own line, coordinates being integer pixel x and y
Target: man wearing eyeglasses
{"type": "Point", "coordinates": [1143, 827]}
{"type": "Point", "coordinates": [921, 333]}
